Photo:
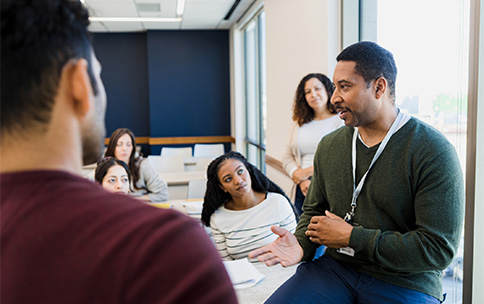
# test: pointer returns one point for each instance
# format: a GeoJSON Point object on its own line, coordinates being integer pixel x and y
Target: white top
{"type": "Point", "coordinates": [311, 133]}
{"type": "Point", "coordinates": [238, 232]}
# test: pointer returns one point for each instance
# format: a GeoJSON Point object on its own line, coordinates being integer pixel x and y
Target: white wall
{"type": "Point", "coordinates": [301, 37]}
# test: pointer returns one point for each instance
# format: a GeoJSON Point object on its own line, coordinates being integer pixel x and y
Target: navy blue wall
{"type": "Point", "coordinates": [125, 76]}
{"type": "Point", "coordinates": [189, 83]}
{"type": "Point", "coordinates": [166, 83]}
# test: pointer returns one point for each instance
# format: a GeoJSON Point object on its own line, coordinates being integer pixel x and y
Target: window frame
{"type": "Point", "coordinates": [352, 13]}
{"type": "Point", "coordinates": [255, 147]}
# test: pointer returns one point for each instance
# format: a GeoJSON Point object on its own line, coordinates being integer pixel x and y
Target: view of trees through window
{"type": "Point", "coordinates": [430, 42]}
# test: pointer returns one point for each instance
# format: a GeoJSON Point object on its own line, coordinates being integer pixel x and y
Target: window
{"type": "Point", "coordinates": [255, 90]}
{"type": "Point", "coordinates": [429, 40]}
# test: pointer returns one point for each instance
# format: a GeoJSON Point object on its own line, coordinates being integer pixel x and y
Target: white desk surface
{"type": "Point", "coordinates": [190, 160]}
{"type": "Point", "coordinates": [275, 276]}
{"type": "Point", "coordinates": [190, 207]}
{"type": "Point", "coordinates": [182, 178]}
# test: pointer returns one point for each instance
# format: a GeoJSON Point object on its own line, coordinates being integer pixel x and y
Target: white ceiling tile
{"type": "Point", "coordinates": [108, 10]}
{"type": "Point", "coordinates": [124, 26]}
{"type": "Point", "coordinates": [198, 27]}
{"type": "Point", "coordinates": [161, 26]}
{"type": "Point", "coordinates": [198, 14]}
{"type": "Point", "coordinates": [224, 25]}
{"type": "Point", "coordinates": [112, 2]}
{"type": "Point", "coordinates": [97, 27]}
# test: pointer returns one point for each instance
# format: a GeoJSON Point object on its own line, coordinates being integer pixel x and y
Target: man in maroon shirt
{"type": "Point", "coordinates": [63, 238]}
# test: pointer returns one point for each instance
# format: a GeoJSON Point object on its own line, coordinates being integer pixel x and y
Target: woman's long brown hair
{"type": "Point", "coordinates": [134, 162]}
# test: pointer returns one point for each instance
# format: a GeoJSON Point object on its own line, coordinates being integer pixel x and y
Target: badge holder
{"type": "Point", "coordinates": [349, 219]}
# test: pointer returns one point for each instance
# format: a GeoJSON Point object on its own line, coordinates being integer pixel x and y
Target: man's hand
{"type": "Point", "coordinates": [330, 230]}
{"type": "Point", "coordinates": [285, 250]}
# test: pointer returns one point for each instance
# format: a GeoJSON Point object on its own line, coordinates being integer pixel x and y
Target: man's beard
{"type": "Point", "coordinates": [93, 140]}
{"type": "Point", "coordinates": [92, 149]}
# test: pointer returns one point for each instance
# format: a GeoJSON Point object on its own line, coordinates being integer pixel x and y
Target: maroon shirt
{"type": "Point", "coordinates": [66, 240]}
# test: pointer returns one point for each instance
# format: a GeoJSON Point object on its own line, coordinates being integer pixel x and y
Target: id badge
{"type": "Point", "coordinates": [346, 250]}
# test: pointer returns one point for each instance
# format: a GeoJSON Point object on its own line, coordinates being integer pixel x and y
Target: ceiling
{"type": "Point", "coordinates": [197, 15]}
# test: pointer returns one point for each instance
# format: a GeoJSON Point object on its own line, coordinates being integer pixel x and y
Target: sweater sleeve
{"type": "Point", "coordinates": [287, 216]}
{"type": "Point", "coordinates": [156, 186]}
{"type": "Point", "coordinates": [433, 242]}
{"type": "Point", "coordinates": [219, 239]}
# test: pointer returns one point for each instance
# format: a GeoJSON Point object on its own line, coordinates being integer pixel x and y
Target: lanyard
{"type": "Point", "coordinates": [356, 190]}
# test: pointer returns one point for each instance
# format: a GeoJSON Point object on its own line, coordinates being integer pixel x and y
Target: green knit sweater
{"type": "Point", "coordinates": [410, 208]}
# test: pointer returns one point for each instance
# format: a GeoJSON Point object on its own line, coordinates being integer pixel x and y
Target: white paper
{"type": "Point", "coordinates": [242, 273]}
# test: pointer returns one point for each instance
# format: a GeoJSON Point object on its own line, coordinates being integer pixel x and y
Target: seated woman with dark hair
{"type": "Point", "coordinates": [240, 206]}
{"type": "Point", "coordinates": [146, 184]}
{"type": "Point", "coordinates": [113, 174]}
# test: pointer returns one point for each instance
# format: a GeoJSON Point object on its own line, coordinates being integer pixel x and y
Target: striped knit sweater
{"type": "Point", "coordinates": [236, 233]}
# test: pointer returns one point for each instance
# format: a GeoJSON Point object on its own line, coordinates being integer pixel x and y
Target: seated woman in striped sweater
{"type": "Point", "coordinates": [240, 206]}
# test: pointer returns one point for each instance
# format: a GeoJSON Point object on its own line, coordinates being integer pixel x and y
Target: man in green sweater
{"type": "Point", "coordinates": [386, 198]}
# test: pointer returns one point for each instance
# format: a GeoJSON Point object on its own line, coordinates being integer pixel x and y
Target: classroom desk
{"type": "Point", "coordinates": [178, 182]}
{"type": "Point", "coordinates": [275, 276]}
{"type": "Point", "coordinates": [190, 207]}
{"type": "Point", "coordinates": [182, 178]}
{"type": "Point", "coordinates": [190, 163]}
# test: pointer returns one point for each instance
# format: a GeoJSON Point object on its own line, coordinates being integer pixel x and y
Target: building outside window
{"type": "Point", "coordinates": [429, 40]}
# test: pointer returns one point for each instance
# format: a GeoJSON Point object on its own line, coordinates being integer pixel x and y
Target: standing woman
{"type": "Point", "coordinates": [313, 118]}
{"type": "Point", "coordinates": [146, 182]}
{"type": "Point", "coordinates": [240, 206]}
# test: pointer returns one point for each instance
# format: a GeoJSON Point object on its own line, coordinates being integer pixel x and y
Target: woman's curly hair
{"type": "Point", "coordinates": [302, 112]}
{"type": "Point", "coordinates": [216, 197]}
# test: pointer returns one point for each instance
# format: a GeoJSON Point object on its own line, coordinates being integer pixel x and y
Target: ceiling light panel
{"type": "Point", "coordinates": [198, 14]}
{"type": "Point", "coordinates": [148, 7]}
{"type": "Point", "coordinates": [108, 10]}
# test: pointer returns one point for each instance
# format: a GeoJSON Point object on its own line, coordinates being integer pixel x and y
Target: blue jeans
{"type": "Point", "coordinates": [299, 200]}
{"type": "Point", "coordinates": [326, 281]}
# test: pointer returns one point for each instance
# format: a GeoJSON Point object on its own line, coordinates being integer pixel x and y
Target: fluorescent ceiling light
{"type": "Point", "coordinates": [180, 7]}
{"type": "Point", "coordinates": [134, 19]}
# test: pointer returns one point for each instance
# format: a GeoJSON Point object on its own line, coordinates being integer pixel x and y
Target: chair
{"type": "Point", "coordinates": [202, 164]}
{"type": "Point", "coordinates": [166, 163]}
{"type": "Point", "coordinates": [184, 152]}
{"type": "Point", "coordinates": [208, 150]}
{"type": "Point", "coordinates": [197, 188]}
{"type": "Point", "coordinates": [138, 151]}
